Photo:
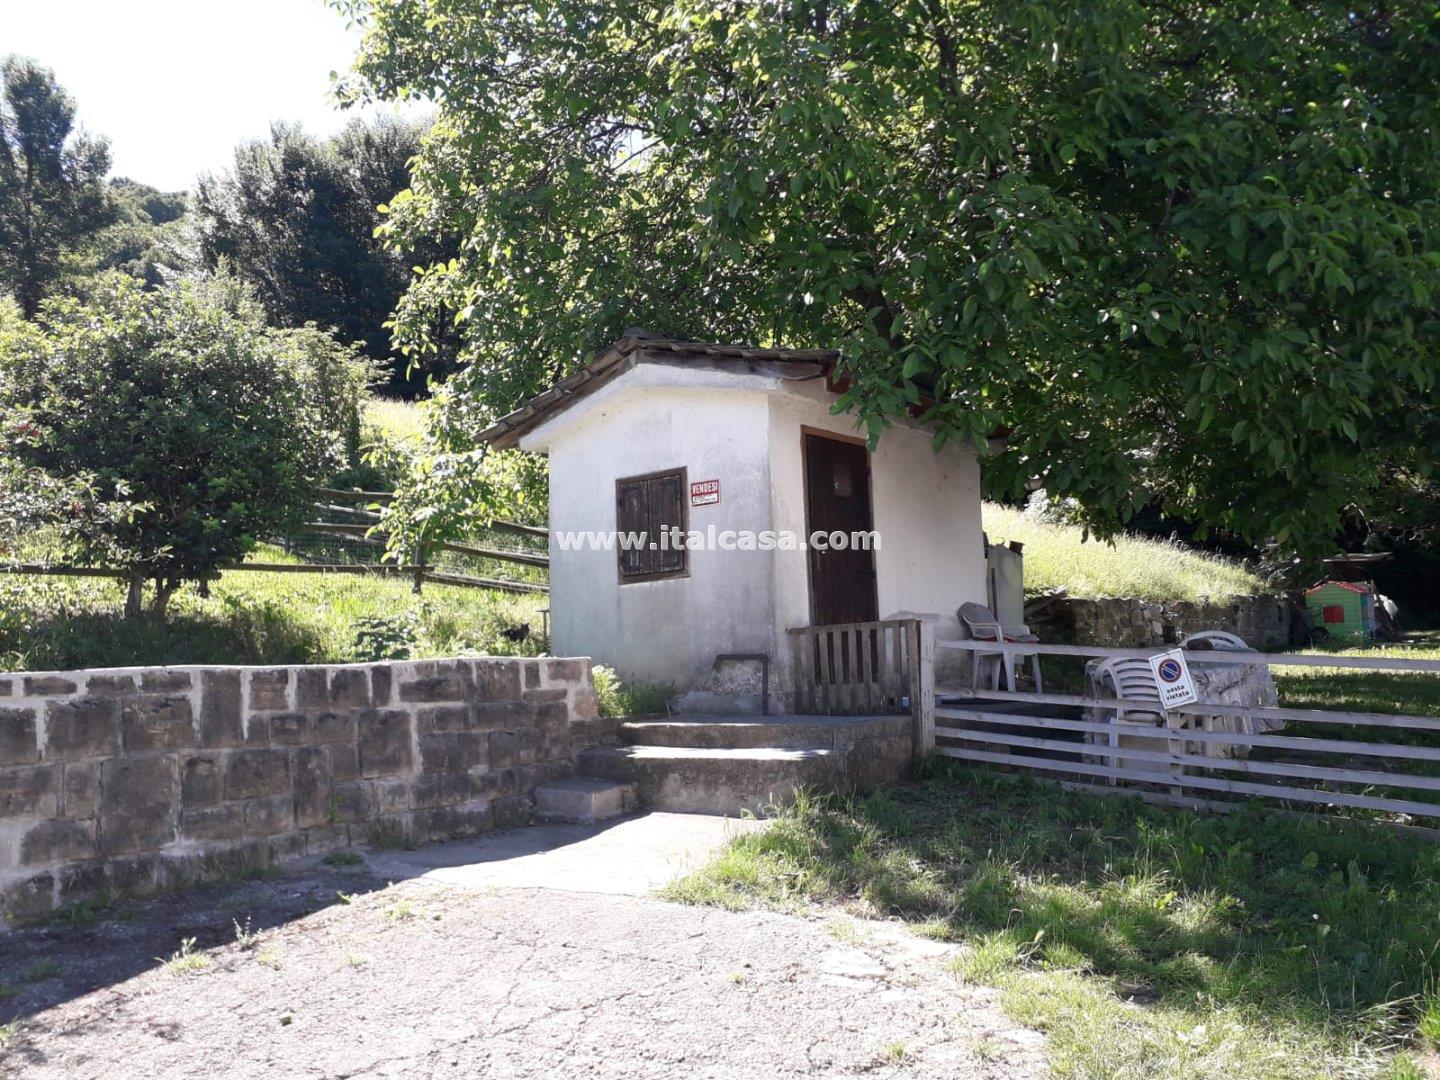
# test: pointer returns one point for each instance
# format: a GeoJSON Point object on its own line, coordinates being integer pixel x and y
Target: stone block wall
{"type": "Point", "coordinates": [124, 781]}
{"type": "Point", "coordinates": [1263, 621]}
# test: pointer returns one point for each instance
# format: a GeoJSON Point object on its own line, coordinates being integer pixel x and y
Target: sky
{"type": "Point", "coordinates": [175, 84]}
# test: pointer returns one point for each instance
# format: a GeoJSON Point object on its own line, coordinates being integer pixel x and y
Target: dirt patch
{"type": "Point", "coordinates": [420, 979]}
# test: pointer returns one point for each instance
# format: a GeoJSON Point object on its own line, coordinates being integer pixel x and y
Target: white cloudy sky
{"type": "Point", "coordinates": [175, 84]}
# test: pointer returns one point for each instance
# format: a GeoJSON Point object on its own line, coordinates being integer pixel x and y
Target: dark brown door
{"type": "Point", "coordinates": [837, 498]}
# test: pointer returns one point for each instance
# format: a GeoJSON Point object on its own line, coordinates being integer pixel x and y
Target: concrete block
{"type": "Point", "coordinates": [58, 841]}
{"type": "Point", "coordinates": [138, 803]}
{"type": "Point", "coordinates": [349, 688]}
{"type": "Point", "coordinates": [165, 681]}
{"type": "Point", "coordinates": [313, 782]}
{"type": "Point", "coordinates": [216, 823]}
{"type": "Point", "coordinates": [156, 723]}
{"type": "Point", "coordinates": [202, 780]}
{"type": "Point", "coordinates": [566, 671]}
{"type": "Point", "coordinates": [344, 762]}
{"type": "Point", "coordinates": [454, 751]}
{"type": "Point", "coordinates": [29, 790]}
{"type": "Point", "coordinates": [17, 737]}
{"type": "Point", "coordinates": [270, 690]}
{"type": "Point", "coordinates": [497, 680]}
{"type": "Point", "coordinates": [289, 729]}
{"type": "Point", "coordinates": [49, 685]}
{"type": "Point", "coordinates": [269, 815]}
{"type": "Point", "coordinates": [426, 688]}
{"type": "Point", "coordinates": [444, 718]}
{"type": "Point", "coordinates": [109, 685]}
{"type": "Point", "coordinates": [80, 789]}
{"type": "Point", "coordinates": [253, 773]}
{"type": "Point", "coordinates": [583, 799]}
{"type": "Point", "coordinates": [312, 688]}
{"type": "Point", "coordinates": [509, 749]}
{"type": "Point", "coordinates": [381, 681]}
{"type": "Point", "coordinates": [81, 728]}
{"type": "Point", "coordinates": [384, 742]}
{"type": "Point", "coordinates": [220, 718]}
{"type": "Point", "coordinates": [334, 727]}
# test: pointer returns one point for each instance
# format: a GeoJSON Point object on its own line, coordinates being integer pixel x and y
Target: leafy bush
{"type": "Point", "coordinates": [208, 428]}
{"type": "Point", "coordinates": [387, 637]}
{"type": "Point", "coordinates": [617, 699]}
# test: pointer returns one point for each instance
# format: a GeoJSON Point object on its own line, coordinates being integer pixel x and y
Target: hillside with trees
{"type": "Point", "coordinates": [1188, 263]}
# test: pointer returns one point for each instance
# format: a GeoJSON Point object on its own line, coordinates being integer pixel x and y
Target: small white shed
{"type": "Point", "coordinates": [724, 442]}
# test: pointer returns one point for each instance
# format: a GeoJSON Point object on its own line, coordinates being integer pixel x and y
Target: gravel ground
{"type": "Point", "coordinates": [422, 979]}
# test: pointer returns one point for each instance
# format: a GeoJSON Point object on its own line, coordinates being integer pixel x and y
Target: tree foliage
{"type": "Point", "coordinates": [151, 238]}
{"type": "Point", "coordinates": [296, 216]}
{"type": "Point", "coordinates": [1187, 253]}
{"type": "Point", "coordinates": [52, 191]}
{"type": "Point", "coordinates": [182, 408]}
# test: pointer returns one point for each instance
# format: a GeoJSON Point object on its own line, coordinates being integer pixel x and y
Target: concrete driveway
{"type": "Point", "coordinates": [524, 954]}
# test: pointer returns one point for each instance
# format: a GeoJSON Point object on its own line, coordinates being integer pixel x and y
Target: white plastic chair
{"type": "Point", "coordinates": [1216, 640]}
{"type": "Point", "coordinates": [1133, 680]}
{"type": "Point", "coordinates": [983, 626]}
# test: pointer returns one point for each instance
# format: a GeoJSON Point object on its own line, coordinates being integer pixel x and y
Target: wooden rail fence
{"type": "Point", "coordinates": [869, 668]}
{"type": "Point", "coordinates": [1178, 757]}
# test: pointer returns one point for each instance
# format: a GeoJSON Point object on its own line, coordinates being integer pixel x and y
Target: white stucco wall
{"type": "Point", "coordinates": [745, 431]}
{"type": "Point", "coordinates": [669, 630]}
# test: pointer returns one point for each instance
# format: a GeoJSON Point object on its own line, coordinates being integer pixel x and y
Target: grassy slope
{"type": "Point", "coordinates": [399, 421]}
{"type": "Point", "coordinates": [62, 623]}
{"type": "Point", "coordinates": [1147, 943]}
{"type": "Point", "coordinates": [1058, 556]}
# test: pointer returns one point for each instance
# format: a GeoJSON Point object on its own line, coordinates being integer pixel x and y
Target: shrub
{"type": "Point", "coordinates": [207, 428]}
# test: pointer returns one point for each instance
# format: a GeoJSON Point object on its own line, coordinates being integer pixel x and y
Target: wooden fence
{"type": "Point", "coordinates": [1186, 756]}
{"type": "Point", "coordinates": [354, 535]}
{"type": "Point", "coordinates": [869, 668]}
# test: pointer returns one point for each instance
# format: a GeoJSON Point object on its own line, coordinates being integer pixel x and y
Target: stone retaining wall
{"type": "Point", "coordinates": [1263, 621]}
{"type": "Point", "coordinates": [124, 781]}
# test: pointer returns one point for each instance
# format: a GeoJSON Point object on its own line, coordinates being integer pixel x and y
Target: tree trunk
{"type": "Point", "coordinates": [134, 597]}
{"type": "Point", "coordinates": [164, 589]}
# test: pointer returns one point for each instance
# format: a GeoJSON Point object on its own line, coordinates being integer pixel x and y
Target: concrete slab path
{"type": "Point", "coordinates": [544, 963]}
{"type": "Point", "coordinates": [631, 856]}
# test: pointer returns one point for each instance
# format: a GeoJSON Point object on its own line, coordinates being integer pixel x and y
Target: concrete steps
{"type": "Point", "coordinates": [583, 800]}
{"type": "Point", "coordinates": [712, 780]}
{"type": "Point", "coordinates": [723, 733]}
{"type": "Point", "coordinates": [730, 764]}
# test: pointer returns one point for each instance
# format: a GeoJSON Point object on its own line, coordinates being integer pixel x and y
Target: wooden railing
{"type": "Point", "coordinates": [869, 668]}
{"type": "Point", "coordinates": [1182, 758]}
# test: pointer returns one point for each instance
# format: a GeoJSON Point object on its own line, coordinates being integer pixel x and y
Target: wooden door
{"type": "Point", "coordinates": [837, 498]}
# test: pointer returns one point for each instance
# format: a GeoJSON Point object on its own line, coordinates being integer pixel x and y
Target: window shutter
{"type": "Point", "coordinates": [652, 505]}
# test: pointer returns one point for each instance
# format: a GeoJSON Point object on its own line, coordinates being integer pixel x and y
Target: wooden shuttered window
{"type": "Point", "coordinates": [651, 504]}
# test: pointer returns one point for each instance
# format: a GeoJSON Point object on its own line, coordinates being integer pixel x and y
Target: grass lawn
{"type": "Point", "coordinates": [254, 618]}
{"type": "Point", "coordinates": [400, 421]}
{"type": "Point", "coordinates": [1058, 556]}
{"type": "Point", "coordinates": [1361, 691]}
{"type": "Point", "coordinates": [1146, 942]}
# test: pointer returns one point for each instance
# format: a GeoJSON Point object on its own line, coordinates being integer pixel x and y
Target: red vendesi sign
{"type": "Point", "coordinates": [704, 492]}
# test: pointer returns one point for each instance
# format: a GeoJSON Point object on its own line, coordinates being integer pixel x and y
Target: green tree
{"type": "Point", "coordinates": [151, 239]}
{"type": "Point", "coordinates": [1187, 254]}
{"type": "Point", "coordinates": [296, 216]}
{"type": "Point", "coordinates": [52, 191]}
{"type": "Point", "coordinates": [179, 405]}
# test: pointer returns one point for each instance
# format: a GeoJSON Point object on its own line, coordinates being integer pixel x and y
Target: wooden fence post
{"type": "Point", "coordinates": [920, 652]}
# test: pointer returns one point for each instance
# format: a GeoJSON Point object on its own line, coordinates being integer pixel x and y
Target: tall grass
{"type": "Point", "coordinates": [399, 421]}
{"type": "Point", "coordinates": [258, 618]}
{"type": "Point", "coordinates": [1058, 556]}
